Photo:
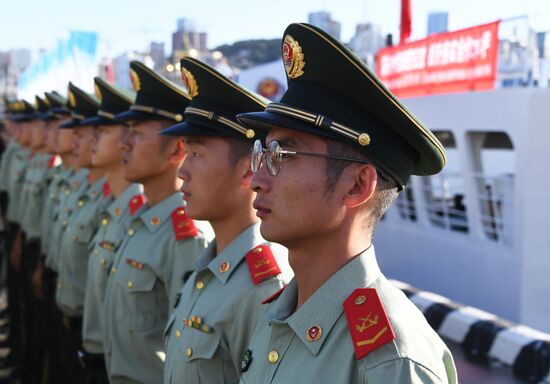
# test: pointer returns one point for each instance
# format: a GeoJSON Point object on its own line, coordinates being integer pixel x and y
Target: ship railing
{"type": "Point", "coordinates": [495, 199]}
{"type": "Point", "coordinates": [445, 205]}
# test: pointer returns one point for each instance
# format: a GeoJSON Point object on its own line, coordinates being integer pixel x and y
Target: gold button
{"type": "Point", "coordinates": [80, 203]}
{"type": "Point", "coordinates": [199, 284]}
{"type": "Point", "coordinates": [250, 133]}
{"type": "Point", "coordinates": [178, 334]}
{"type": "Point", "coordinates": [130, 284]}
{"type": "Point", "coordinates": [189, 352]}
{"type": "Point", "coordinates": [104, 222]}
{"type": "Point", "coordinates": [363, 139]}
{"type": "Point", "coordinates": [273, 357]}
{"type": "Point", "coordinates": [103, 262]}
{"type": "Point", "coordinates": [96, 252]}
{"type": "Point", "coordinates": [74, 237]}
{"type": "Point", "coordinates": [360, 299]}
{"type": "Point", "coordinates": [58, 285]}
{"type": "Point", "coordinates": [130, 232]}
{"type": "Point", "coordinates": [113, 270]}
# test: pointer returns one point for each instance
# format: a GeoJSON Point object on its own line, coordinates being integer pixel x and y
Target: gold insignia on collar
{"type": "Point", "coordinates": [293, 58]}
{"type": "Point", "coordinates": [190, 82]}
{"type": "Point", "coordinates": [72, 100]}
{"type": "Point", "coordinates": [134, 78]}
{"type": "Point", "coordinates": [98, 93]}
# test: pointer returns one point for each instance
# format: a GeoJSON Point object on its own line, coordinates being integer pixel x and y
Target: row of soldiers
{"type": "Point", "coordinates": [144, 228]}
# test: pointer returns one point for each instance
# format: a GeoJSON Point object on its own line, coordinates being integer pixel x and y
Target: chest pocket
{"type": "Point", "coordinates": [83, 233]}
{"type": "Point", "coordinates": [143, 295]}
{"type": "Point", "coordinates": [203, 356]}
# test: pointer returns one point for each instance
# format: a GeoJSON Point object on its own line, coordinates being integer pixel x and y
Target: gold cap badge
{"type": "Point", "coordinates": [98, 93]}
{"type": "Point", "coordinates": [72, 100]}
{"type": "Point", "coordinates": [134, 78]}
{"type": "Point", "coordinates": [190, 82]}
{"type": "Point", "coordinates": [293, 58]}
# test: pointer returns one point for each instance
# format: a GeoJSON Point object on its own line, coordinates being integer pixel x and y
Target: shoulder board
{"type": "Point", "coordinates": [275, 296]}
{"type": "Point", "coordinates": [106, 190]}
{"type": "Point", "coordinates": [135, 203]}
{"type": "Point", "coordinates": [368, 323]}
{"type": "Point", "coordinates": [53, 161]}
{"type": "Point", "coordinates": [261, 263]}
{"type": "Point", "coordinates": [184, 226]}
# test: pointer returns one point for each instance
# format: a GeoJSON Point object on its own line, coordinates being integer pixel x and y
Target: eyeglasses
{"type": "Point", "coordinates": [274, 155]}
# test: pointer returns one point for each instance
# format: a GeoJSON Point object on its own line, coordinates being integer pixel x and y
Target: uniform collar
{"type": "Point", "coordinates": [156, 216]}
{"type": "Point", "coordinates": [325, 307]}
{"type": "Point", "coordinates": [95, 189]}
{"type": "Point", "coordinates": [232, 255]}
{"type": "Point", "coordinates": [119, 206]}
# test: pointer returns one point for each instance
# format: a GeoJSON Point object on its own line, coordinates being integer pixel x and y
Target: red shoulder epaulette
{"type": "Point", "coordinates": [184, 226]}
{"type": "Point", "coordinates": [135, 203]}
{"type": "Point", "coordinates": [52, 161]}
{"type": "Point", "coordinates": [106, 190]}
{"type": "Point", "coordinates": [368, 323]}
{"type": "Point", "coordinates": [261, 263]}
{"type": "Point", "coordinates": [275, 296]}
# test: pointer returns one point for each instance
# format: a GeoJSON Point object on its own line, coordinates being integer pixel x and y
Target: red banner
{"type": "Point", "coordinates": [458, 61]}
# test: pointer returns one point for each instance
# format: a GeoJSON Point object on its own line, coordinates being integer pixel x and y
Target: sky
{"type": "Point", "coordinates": [125, 25]}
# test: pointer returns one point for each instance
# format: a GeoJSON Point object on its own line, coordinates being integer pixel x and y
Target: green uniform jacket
{"type": "Point", "coordinates": [111, 233]}
{"type": "Point", "coordinates": [75, 249]}
{"type": "Point", "coordinates": [34, 190]}
{"type": "Point", "coordinates": [286, 349]}
{"type": "Point", "coordinates": [147, 274]}
{"type": "Point", "coordinates": [11, 149]}
{"type": "Point", "coordinates": [78, 183]}
{"type": "Point", "coordinates": [18, 166]}
{"type": "Point", "coordinates": [220, 292]}
{"type": "Point", "coordinates": [57, 177]}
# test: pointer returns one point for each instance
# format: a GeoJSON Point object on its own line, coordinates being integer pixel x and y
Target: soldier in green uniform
{"type": "Point", "coordinates": [64, 142]}
{"type": "Point", "coordinates": [340, 147]}
{"type": "Point", "coordinates": [33, 196]}
{"type": "Point", "coordinates": [82, 223]}
{"type": "Point", "coordinates": [162, 241]}
{"type": "Point", "coordinates": [23, 118]}
{"type": "Point", "coordinates": [107, 155]}
{"type": "Point", "coordinates": [220, 304]}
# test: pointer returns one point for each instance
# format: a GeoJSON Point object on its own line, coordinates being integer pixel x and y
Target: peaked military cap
{"type": "Point", "coordinates": [114, 100]}
{"type": "Point", "coordinates": [58, 104]}
{"type": "Point", "coordinates": [157, 98]}
{"type": "Point", "coordinates": [23, 111]}
{"type": "Point", "coordinates": [82, 106]}
{"type": "Point", "coordinates": [331, 93]}
{"type": "Point", "coordinates": [216, 101]}
{"type": "Point", "coordinates": [43, 107]}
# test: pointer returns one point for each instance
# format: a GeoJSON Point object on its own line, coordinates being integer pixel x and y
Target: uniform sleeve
{"type": "Point", "coordinates": [403, 370]}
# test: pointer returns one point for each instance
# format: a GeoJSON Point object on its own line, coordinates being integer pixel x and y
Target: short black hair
{"type": "Point", "coordinates": [386, 188]}
{"type": "Point", "coordinates": [238, 150]}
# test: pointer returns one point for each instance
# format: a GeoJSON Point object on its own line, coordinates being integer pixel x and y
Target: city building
{"type": "Point", "coordinates": [438, 22]}
{"type": "Point", "coordinates": [324, 21]}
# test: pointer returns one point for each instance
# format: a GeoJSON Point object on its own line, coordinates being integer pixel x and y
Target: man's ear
{"type": "Point", "coordinates": [245, 171]}
{"type": "Point", "coordinates": [362, 184]}
{"type": "Point", "coordinates": [177, 151]}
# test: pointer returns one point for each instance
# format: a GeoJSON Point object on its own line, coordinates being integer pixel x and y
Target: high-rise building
{"type": "Point", "coordinates": [187, 38]}
{"type": "Point", "coordinates": [12, 64]}
{"type": "Point", "coordinates": [156, 50]}
{"type": "Point", "coordinates": [438, 22]}
{"type": "Point", "coordinates": [324, 21]}
{"type": "Point", "coordinates": [366, 42]}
